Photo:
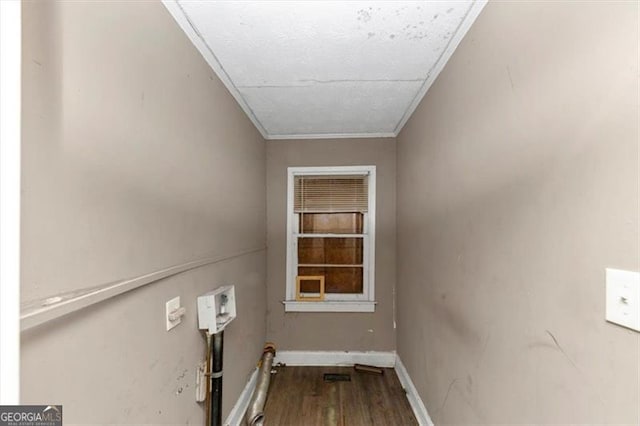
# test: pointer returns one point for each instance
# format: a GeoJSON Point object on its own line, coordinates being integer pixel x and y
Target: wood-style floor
{"type": "Point", "coordinates": [299, 396]}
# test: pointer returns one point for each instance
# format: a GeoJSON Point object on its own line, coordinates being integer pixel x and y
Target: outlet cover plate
{"type": "Point", "coordinates": [623, 298]}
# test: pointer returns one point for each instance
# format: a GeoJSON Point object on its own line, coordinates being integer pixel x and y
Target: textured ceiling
{"type": "Point", "coordinates": [326, 69]}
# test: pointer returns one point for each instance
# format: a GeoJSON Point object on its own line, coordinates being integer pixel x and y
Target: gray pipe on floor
{"type": "Point", "coordinates": [255, 412]}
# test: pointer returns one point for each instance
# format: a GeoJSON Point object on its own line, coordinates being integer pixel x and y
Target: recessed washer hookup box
{"type": "Point", "coordinates": [216, 309]}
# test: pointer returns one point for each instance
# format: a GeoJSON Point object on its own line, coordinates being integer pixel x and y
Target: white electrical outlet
{"type": "Point", "coordinates": [173, 313]}
{"type": "Point", "coordinates": [623, 298]}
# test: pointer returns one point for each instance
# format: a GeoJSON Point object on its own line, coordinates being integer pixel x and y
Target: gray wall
{"type": "Point", "coordinates": [517, 187]}
{"type": "Point", "coordinates": [135, 158]}
{"type": "Point", "coordinates": [331, 331]}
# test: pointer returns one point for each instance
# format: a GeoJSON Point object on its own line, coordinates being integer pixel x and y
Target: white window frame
{"type": "Point", "coordinates": [364, 302]}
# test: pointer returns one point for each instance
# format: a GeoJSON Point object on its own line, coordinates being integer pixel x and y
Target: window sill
{"type": "Point", "coordinates": [329, 306]}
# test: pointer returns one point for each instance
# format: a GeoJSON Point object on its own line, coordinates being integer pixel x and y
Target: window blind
{"type": "Point", "coordinates": [331, 194]}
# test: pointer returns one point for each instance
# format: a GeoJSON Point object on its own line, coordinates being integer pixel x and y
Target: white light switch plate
{"type": "Point", "coordinates": [623, 298]}
{"type": "Point", "coordinates": [171, 306]}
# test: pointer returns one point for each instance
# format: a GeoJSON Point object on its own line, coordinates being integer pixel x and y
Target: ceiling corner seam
{"type": "Point", "coordinates": [175, 10]}
{"type": "Point", "coordinates": [463, 27]}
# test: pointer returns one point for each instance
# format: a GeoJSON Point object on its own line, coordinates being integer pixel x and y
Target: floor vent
{"type": "Point", "coordinates": [331, 377]}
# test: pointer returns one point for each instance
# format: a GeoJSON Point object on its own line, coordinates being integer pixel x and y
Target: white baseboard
{"type": "Point", "coordinates": [335, 358]}
{"type": "Point", "coordinates": [419, 410]}
{"type": "Point", "coordinates": [237, 412]}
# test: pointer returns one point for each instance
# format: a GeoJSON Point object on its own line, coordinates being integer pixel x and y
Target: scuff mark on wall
{"type": "Point", "coordinates": [555, 341]}
{"type": "Point", "coordinates": [469, 384]}
{"type": "Point", "coordinates": [484, 349]}
{"type": "Point", "coordinates": [393, 307]}
{"type": "Point", "coordinates": [510, 78]}
{"type": "Point", "coordinates": [453, 319]}
{"type": "Point", "coordinates": [446, 396]}
{"type": "Point", "coordinates": [556, 345]}
{"type": "Point", "coordinates": [184, 373]}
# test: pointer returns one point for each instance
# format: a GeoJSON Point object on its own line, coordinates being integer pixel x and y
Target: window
{"type": "Point", "coordinates": [330, 239]}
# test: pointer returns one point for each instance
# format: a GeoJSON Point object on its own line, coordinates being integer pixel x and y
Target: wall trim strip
{"type": "Point", "coordinates": [335, 358]}
{"type": "Point", "coordinates": [283, 137]}
{"type": "Point", "coordinates": [240, 408]}
{"type": "Point", "coordinates": [50, 308]}
{"type": "Point", "coordinates": [418, 407]}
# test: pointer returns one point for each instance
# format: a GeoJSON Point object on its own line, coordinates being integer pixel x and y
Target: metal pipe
{"type": "Point", "coordinates": [216, 379]}
{"type": "Point", "coordinates": [255, 412]}
{"type": "Point", "coordinates": [208, 381]}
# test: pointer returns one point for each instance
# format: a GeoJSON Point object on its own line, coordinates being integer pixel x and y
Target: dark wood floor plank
{"type": "Point", "coordinates": [300, 396]}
